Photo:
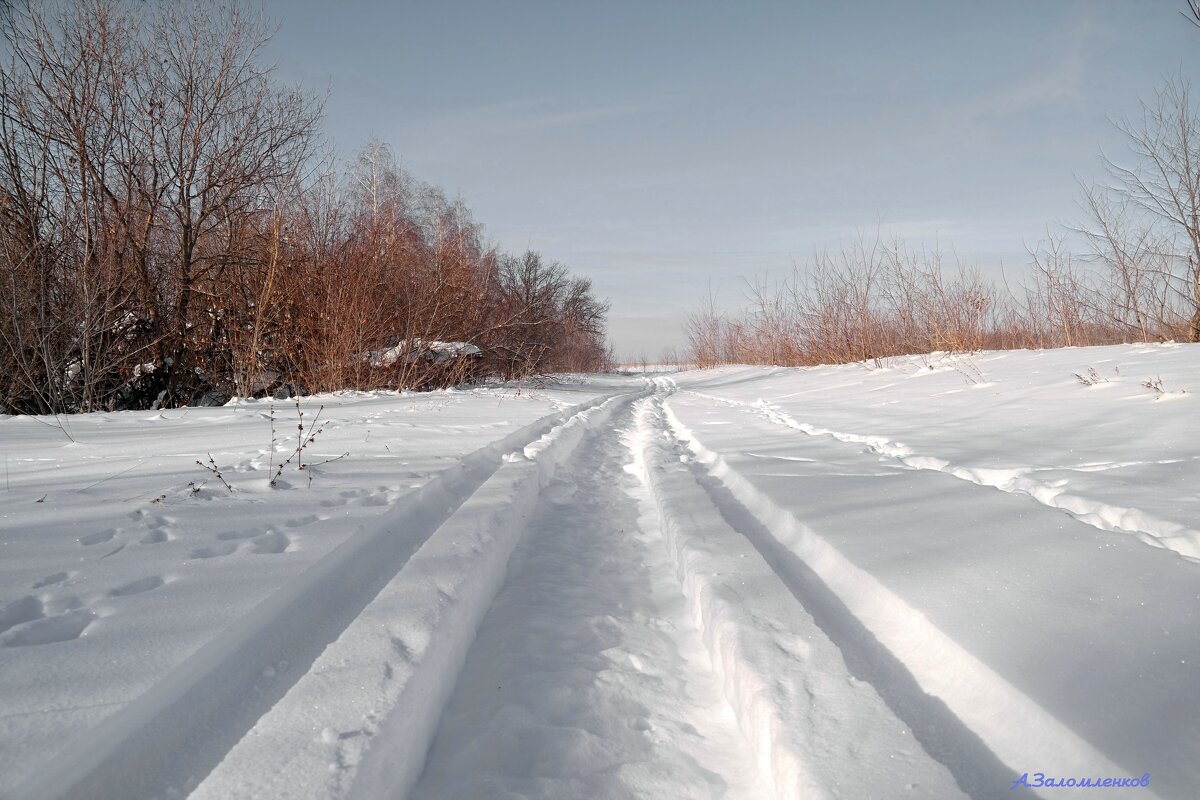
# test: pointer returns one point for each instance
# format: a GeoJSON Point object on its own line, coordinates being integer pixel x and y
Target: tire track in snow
{"type": "Point", "coordinates": [359, 722]}
{"type": "Point", "coordinates": [588, 677]}
{"type": "Point", "coordinates": [970, 690]}
{"type": "Point", "coordinates": [164, 742]}
{"type": "Point", "coordinates": [811, 692]}
{"type": "Point", "coordinates": [1148, 528]}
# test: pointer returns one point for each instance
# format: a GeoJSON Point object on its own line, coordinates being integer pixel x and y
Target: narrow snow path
{"type": "Point", "coordinates": [589, 678]}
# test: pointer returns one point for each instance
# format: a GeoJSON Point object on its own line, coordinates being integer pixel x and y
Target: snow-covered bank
{"type": "Point", "coordinates": [896, 580]}
{"type": "Point", "coordinates": [375, 694]}
{"type": "Point", "coordinates": [1108, 434]}
{"type": "Point", "coordinates": [115, 573]}
{"type": "Point", "coordinates": [1057, 641]}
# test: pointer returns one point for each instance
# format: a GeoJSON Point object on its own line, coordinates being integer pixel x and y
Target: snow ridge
{"type": "Point", "coordinates": [1148, 528]}
{"type": "Point", "coordinates": [805, 715]}
{"type": "Point", "coordinates": [971, 690]}
{"type": "Point", "coordinates": [747, 689]}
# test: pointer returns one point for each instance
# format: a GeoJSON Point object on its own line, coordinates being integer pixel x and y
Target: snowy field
{"type": "Point", "coordinates": [938, 576]}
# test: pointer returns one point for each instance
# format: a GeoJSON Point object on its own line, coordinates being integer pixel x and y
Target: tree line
{"type": "Point", "coordinates": [1129, 272]}
{"type": "Point", "coordinates": [172, 231]}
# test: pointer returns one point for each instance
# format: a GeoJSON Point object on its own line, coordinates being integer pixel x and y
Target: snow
{"type": "Point", "coordinates": [919, 578]}
{"type": "Point", "coordinates": [805, 715]}
{"type": "Point", "coordinates": [436, 351]}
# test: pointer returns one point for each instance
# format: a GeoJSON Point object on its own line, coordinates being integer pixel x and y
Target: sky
{"type": "Point", "coordinates": [671, 150]}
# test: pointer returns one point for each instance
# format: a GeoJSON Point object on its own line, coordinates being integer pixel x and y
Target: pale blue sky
{"type": "Point", "coordinates": [665, 147]}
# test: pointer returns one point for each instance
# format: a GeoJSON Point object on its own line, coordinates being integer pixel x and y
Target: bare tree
{"type": "Point", "coordinates": [545, 319]}
{"type": "Point", "coordinates": [1154, 203]}
{"type": "Point", "coordinates": [60, 116]}
{"type": "Point", "coordinates": [151, 139]}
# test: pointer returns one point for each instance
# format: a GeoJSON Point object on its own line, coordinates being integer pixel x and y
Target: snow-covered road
{"type": "Point", "coordinates": [849, 582]}
{"type": "Point", "coordinates": [588, 677]}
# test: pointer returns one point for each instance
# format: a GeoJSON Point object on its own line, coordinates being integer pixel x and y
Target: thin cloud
{"type": "Point", "coordinates": [1063, 83]}
{"type": "Point", "coordinates": [541, 118]}
{"type": "Point", "coordinates": [522, 116]}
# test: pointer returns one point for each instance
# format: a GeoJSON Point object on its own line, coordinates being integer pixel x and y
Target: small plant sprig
{"type": "Point", "coordinates": [303, 440]}
{"type": "Point", "coordinates": [970, 372]}
{"type": "Point", "coordinates": [212, 467]}
{"type": "Point", "coordinates": [327, 461]}
{"type": "Point", "coordinates": [306, 435]}
{"type": "Point", "coordinates": [313, 431]}
{"type": "Point", "coordinates": [1092, 378]}
{"type": "Point", "coordinates": [1155, 385]}
{"type": "Point", "coordinates": [274, 441]}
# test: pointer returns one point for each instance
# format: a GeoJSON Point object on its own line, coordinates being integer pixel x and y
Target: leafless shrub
{"type": "Point", "coordinates": [872, 300]}
{"type": "Point", "coordinates": [168, 231]}
{"type": "Point", "coordinates": [869, 300]}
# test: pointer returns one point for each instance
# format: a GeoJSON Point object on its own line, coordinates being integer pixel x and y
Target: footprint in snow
{"type": "Point", "coordinates": [216, 551]}
{"type": "Point", "coordinates": [271, 543]}
{"type": "Point", "coordinates": [137, 587]}
{"type": "Point", "coordinates": [559, 492]}
{"type": "Point", "coordinates": [50, 580]}
{"type": "Point", "coordinates": [160, 530]}
{"type": "Point", "coordinates": [98, 537]}
{"type": "Point", "coordinates": [156, 536]}
{"type": "Point", "coordinates": [18, 612]}
{"type": "Point", "coordinates": [48, 630]}
{"type": "Point", "coordinates": [367, 497]}
{"type": "Point", "coordinates": [231, 536]}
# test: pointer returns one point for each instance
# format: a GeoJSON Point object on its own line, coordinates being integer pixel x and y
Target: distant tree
{"type": "Point", "coordinates": [545, 319]}
{"type": "Point", "coordinates": [1145, 223]}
